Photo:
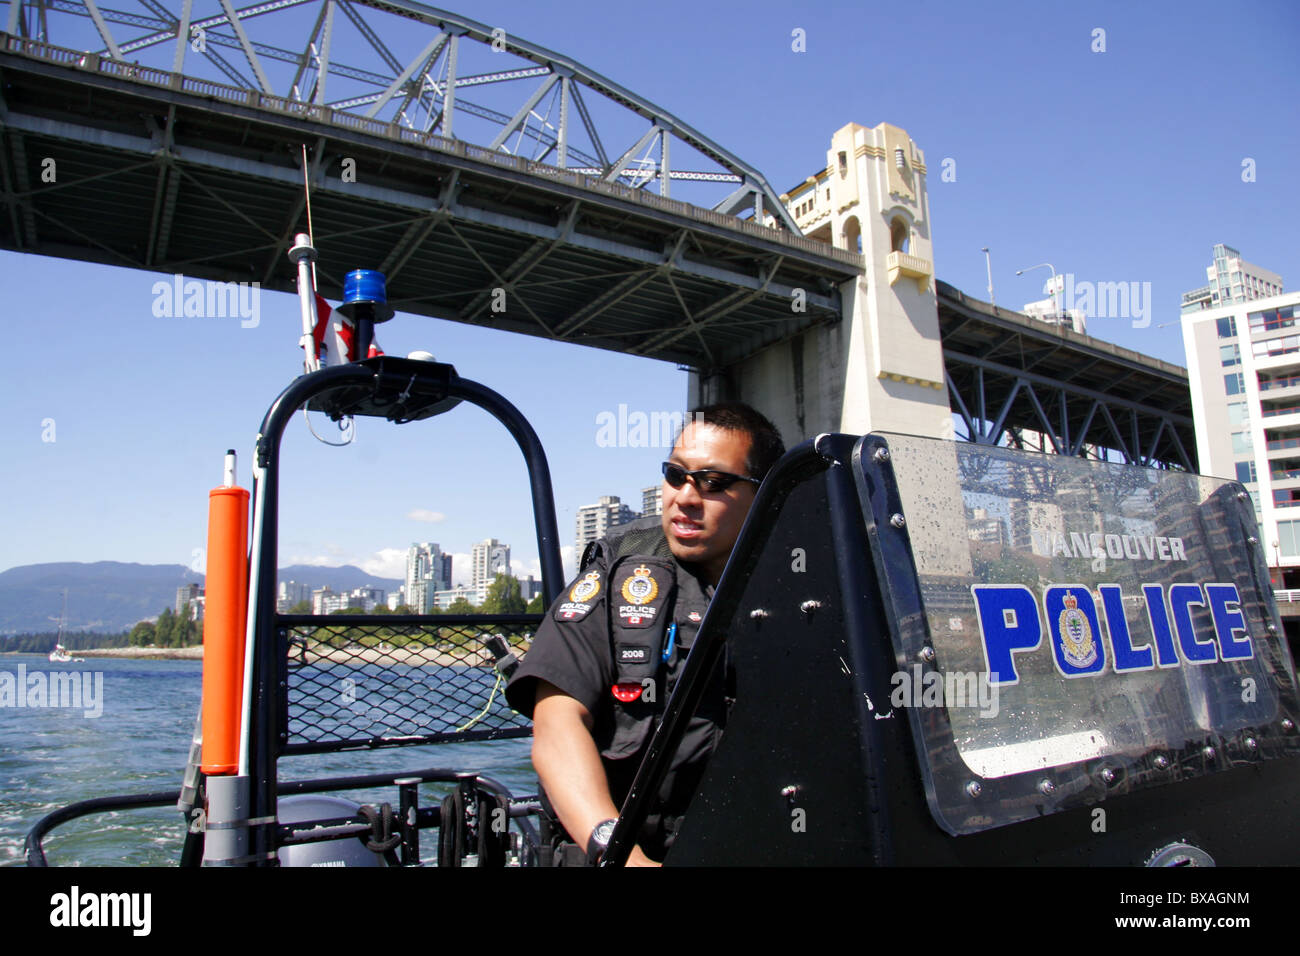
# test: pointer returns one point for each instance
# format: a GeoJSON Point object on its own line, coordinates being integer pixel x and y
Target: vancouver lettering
{"type": "Point", "coordinates": [1118, 547]}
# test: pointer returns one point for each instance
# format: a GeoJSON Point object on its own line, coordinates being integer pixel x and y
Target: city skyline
{"type": "Point", "coordinates": [1059, 170]}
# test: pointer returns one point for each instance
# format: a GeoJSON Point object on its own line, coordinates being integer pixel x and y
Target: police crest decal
{"type": "Point", "coordinates": [1071, 615]}
{"type": "Point", "coordinates": [583, 592]}
{"type": "Point", "coordinates": [1077, 644]}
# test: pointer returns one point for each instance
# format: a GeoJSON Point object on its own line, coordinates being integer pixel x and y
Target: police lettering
{"type": "Point", "coordinates": [1011, 623]}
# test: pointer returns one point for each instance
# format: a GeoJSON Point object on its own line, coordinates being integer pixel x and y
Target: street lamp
{"type": "Point", "coordinates": [988, 264]}
{"type": "Point", "coordinates": [1054, 289]}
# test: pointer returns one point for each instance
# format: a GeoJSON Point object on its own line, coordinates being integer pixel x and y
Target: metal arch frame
{"type": "Point", "coordinates": [754, 192]}
{"type": "Point", "coordinates": [985, 429]}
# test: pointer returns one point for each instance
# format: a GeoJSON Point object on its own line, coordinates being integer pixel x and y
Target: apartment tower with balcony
{"type": "Point", "coordinates": [1243, 367]}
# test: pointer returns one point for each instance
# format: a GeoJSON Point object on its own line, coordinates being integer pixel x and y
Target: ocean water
{"type": "Point", "coordinates": [52, 756]}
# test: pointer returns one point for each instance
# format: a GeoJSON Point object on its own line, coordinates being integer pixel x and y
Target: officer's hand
{"type": "Point", "coordinates": [637, 858]}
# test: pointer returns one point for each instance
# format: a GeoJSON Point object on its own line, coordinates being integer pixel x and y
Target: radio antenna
{"type": "Point", "coordinates": [306, 189]}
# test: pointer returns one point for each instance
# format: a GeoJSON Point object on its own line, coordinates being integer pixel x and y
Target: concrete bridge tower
{"type": "Point", "coordinates": [881, 366]}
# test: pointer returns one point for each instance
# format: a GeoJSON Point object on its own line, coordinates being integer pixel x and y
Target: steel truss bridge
{"type": "Point", "coordinates": [1018, 381]}
{"type": "Point", "coordinates": [493, 181]}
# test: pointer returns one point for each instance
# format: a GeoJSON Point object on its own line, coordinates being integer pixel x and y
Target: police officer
{"type": "Point", "coordinates": [606, 657]}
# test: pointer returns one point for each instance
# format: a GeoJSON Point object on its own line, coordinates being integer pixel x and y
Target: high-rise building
{"type": "Point", "coordinates": [1231, 280]}
{"type": "Point", "coordinates": [291, 593]}
{"type": "Point", "coordinates": [594, 521]}
{"type": "Point", "coordinates": [529, 587]}
{"type": "Point", "coordinates": [426, 563]}
{"type": "Point", "coordinates": [652, 500]}
{"type": "Point", "coordinates": [488, 559]}
{"type": "Point", "coordinates": [367, 598]}
{"type": "Point", "coordinates": [322, 599]}
{"type": "Point", "coordinates": [186, 594]}
{"type": "Point", "coordinates": [1243, 367]}
{"type": "Point", "coordinates": [419, 596]}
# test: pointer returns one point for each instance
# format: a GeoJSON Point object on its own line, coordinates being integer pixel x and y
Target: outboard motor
{"type": "Point", "coordinates": [350, 851]}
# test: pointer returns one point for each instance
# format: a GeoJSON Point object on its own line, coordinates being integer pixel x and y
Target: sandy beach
{"type": "Point", "coordinates": [416, 657]}
{"type": "Point", "coordinates": [141, 653]}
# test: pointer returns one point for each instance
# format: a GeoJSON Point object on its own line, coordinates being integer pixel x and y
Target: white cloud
{"type": "Point", "coordinates": [385, 563]}
{"type": "Point", "coordinates": [462, 568]}
{"type": "Point", "coordinates": [521, 570]}
{"type": "Point", "coordinates": [424, 514]}
{"type": "Point", "coordinates": [568, 560]}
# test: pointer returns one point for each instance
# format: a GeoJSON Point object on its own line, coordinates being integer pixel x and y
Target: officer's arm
{"type": "Point", "coordinates": [568, 764]}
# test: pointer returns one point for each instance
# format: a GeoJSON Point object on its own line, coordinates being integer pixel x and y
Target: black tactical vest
{"type": "Point", "coordinates": [654, 607]}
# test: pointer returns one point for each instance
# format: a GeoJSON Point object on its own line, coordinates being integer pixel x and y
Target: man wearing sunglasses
{"type": "Point", "coordinates": [605, 659]}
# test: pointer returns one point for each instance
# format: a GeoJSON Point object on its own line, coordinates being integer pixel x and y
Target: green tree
{"type": "Point", "coordinates": [142, 635]}
{"type": "Point", "coordinates": [462, 606]}
{"type": "Point", "coordinates": [302, 607]}
{"type": "Point", "coordinates": [186, 631]}
{"type": "Point", "coordinates": [537, 605]}
{"type": "Point", "coordinates": [165, 629]}
{"type": "Point", "coordinates": [504, 596]}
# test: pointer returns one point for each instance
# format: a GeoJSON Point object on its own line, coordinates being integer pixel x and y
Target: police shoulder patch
{"type": "Point", "coordinates": [582, 598]}
{"type": "Point", "coordinates": [640, 590]}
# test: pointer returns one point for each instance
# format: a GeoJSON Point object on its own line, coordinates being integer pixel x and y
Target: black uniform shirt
{"type": "Point", "coordinates": [573, 650]}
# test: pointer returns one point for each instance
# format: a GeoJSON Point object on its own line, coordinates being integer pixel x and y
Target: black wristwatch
{"type": "Point", "coordinates": [599, 841]}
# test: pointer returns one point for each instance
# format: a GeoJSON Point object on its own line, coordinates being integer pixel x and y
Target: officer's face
{"type": "Point", "coordinates": [701, 527]}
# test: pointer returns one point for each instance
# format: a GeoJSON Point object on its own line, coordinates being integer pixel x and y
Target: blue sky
{"type": "Point", "coordinates": [1122, 165]}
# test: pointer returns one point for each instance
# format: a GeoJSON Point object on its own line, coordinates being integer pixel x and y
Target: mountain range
{"type": "Point", "coordinates": [111, 596]}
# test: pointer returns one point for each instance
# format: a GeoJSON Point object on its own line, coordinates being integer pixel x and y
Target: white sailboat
{"type": "Point", "coordinates": [60, 653]}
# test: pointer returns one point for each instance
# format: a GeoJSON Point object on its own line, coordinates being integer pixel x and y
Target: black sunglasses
{"type": "Point", "coordinates": [704, 480]}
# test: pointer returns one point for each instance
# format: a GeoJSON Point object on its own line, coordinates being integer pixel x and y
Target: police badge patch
{"type": "Point", "coordinates": [581, 596]}
{"type": "Point", "coordinates": [639, 590]}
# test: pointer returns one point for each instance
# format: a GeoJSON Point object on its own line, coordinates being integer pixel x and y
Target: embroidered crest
{"type": "Point", "coordinates": [587, 588]}
{"type": "Point", "coordinates": [1077, 645]}
{"type": "Point", "coordinates": [640, 588]}
{"type": "Point", "coordinates": [583, 592]}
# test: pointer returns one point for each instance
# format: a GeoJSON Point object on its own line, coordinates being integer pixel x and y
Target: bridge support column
{"type": "Point", "coordinates": [881, 366]}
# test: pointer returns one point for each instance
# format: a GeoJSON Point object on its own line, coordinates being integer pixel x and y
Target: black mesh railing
{"type": "Point", "coordinates": [353, 681]}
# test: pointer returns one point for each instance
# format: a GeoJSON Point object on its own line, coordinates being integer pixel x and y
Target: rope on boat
{"type": "Point", "coordinates": [487, 706]}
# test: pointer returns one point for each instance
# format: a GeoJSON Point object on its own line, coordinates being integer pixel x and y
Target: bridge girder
{"type": "Point", "coordinates": [165, 172]}
{"type": "Point", "coordinates": [159, 178]}
{"type": "Point", "coordinates": [420, 60]}
{"type": "Point", "coordinates": [1011, 378]}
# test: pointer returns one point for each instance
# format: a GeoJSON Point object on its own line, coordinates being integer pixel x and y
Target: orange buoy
{"type": "Point", "coordinates": [225, 614]}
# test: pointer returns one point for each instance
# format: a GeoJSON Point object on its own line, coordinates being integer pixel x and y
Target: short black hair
{"type": "Point", "coordinates": [765, 445]}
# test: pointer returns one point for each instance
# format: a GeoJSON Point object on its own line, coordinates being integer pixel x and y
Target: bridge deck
{"type": "Point", "coordinates": [1006, 370]}
{"type": "Point", "coordinates": [111, 162]}
{"type": "Point", "coordinates": [163, 172]}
